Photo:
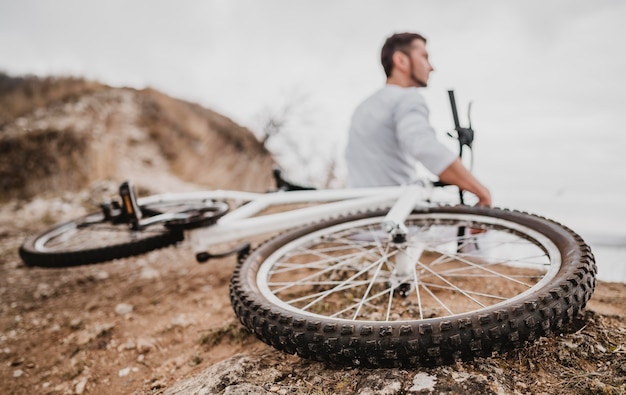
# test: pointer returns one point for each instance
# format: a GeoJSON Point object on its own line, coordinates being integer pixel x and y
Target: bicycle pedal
{"type": "Point", "coordinates": [129, 203]}
{"type": "Point", "coordinates": [241, 249]}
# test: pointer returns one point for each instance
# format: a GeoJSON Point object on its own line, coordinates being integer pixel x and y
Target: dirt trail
{"type": "Point", "coordinates": [138, 325]}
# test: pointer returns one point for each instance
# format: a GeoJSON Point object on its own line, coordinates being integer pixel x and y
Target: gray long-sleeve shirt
{"type": "Point", "coordinates": [389, 133]}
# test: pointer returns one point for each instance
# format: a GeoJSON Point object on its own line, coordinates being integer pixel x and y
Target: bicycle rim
{"type": "Point", "coordinates": [345, 271]}
{"type": "Point", "coordinates": [92, 239]}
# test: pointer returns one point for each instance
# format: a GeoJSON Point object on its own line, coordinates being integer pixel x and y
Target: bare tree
{"type": "Point", "coordinates": [288, 131]}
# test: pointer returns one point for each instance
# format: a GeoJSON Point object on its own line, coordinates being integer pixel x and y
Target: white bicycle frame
{"type": "Point", "coordinates": [242, 222]}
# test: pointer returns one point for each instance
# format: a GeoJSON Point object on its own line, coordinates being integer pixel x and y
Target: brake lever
{"type": "Point", "coordinates": [465, 136]}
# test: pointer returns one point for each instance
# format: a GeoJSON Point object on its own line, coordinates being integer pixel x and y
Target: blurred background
{"type": "Point", "coordinates": [545, 80]}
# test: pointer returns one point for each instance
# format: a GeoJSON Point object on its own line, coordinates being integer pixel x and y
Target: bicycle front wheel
{"type": "Point", "coordinates": [332, 292]}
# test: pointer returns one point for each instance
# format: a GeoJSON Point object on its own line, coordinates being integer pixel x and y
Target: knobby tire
{"type": "Point", "coordinates": [283, 291]}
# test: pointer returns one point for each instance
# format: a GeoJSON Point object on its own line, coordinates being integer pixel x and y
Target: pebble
{"type": "Point", "coordinates": [101, 275]}
{"type": "Point", "coordinates": [76, 323]}
{"type": "Point", "coordinates": [144, 345]}
{"type": "Point", "coordinates": [80, 386]}
{"type": "Point", "coordinates": [43, 291]}
{"type": "Point", "coordinates": [129, 345]}
{"type": "Point", "coordinates": [18, 373]}
{"type": "Point", "coordinates": [148, 273]}
{"type": "Point", "coordinates": [123, 309]}
{"type": "Point", "coordinates": [182, 320]}
{"type": "Point", "coordinates": [423, 381]}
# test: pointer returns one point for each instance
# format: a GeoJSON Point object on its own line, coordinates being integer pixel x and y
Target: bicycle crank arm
{"type": "Point", "coordinates": [241, 250]}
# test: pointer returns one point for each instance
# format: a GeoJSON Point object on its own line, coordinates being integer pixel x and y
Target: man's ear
{"type": "Point", "coordinates": [400, 60]}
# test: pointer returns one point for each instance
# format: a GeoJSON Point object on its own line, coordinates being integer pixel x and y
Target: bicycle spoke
{"type": "Point", "coordinates": [318, 264]}
{"type": "Point", "coordinates": [330, 291]}
{"type": "Point", "coordinates": [369, 288]}
{"type": "Point", "coordinates": [498, 297]}
{"type": "Point", "coordinates": [439, 301]}
{"type": "Point", "coordinates": [349, 273]}
{"type": "Point", "coordinates": [417, 293]}
{"type": "Point", "coordinates": [462, 292]}
{"type": "Point", "coordinates": [482, 267]}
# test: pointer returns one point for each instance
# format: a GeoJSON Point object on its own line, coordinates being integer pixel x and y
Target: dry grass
{"type": "Point", "coordinates": [204, 146]}
{"type": "Point", "coordinates": [59, 166]}
{"type": "Point", "coordinates": [21, 95]}
{"type": "Point", "coordinates": [59, 134]}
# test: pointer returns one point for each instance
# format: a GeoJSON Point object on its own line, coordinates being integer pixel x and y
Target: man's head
{"type": "Point", "coordinates": [405, 59]}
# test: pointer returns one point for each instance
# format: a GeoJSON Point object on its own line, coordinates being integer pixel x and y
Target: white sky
{"type": "Point", "coordinates": [546, 77]}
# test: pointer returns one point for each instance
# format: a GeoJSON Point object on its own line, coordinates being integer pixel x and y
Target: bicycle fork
{"type": "Point", "coordinates": [403, 277]}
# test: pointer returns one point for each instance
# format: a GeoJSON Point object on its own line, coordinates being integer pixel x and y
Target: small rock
{"type": "Point", "coordinates": [76, 323]}
{"type": "Point", "coordinates": [85, 336]}
{"type": "Point", "coordinates": [43, 291]}
{"type": "Point", "coordinates": [182, 321]}
{"type": "Point", "coordinates": [245, 389]}
{"type": "Point", "coordinates": [124, 372]}
{"type": "Point", "coordinates": [123, 309]}
{"type": "Point", "coordinates": [148, 273]}
{"type": "Point", "coordinates": [129, 345]}
{"type": "Point", "coordinates": [101, 275]}
{"type": "Point", "coordinates": [460, 376]}
{"type": "Point", "coordinates": [80, 386]}
{"type": "Point", "coordinates": [423, 381]}
{"type": "Point", "coordinates": [18, 373]}
{"type": "Point", "coordinates": [145, 345]}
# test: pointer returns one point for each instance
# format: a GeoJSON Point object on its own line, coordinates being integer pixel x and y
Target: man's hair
{"type": "Point", "coordinates": [397, 42]}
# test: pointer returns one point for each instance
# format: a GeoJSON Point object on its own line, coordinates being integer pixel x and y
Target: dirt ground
{"type": "Point", "coordinates": [138, 325]}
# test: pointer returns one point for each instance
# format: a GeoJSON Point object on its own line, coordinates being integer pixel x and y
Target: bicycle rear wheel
{"type": "Point", "coordinates": [95, 238]}
{"type": "Point", "coordinates": [327, 291]}
{"type": "Point", "coordinates": [92, 239]}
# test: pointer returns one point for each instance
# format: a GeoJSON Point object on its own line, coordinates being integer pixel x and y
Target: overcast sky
{"type": "Point", "coordinates": [546, 77]}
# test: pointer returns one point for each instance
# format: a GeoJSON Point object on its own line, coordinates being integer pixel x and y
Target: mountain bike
{"type": "Point", "coordinates": [364, 277]}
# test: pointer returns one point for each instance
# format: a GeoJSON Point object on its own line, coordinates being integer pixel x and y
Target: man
{"type": "Point", "coordinates": [390, 131]}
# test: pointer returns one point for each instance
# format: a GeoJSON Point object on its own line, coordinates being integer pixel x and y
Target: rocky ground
{"type": "Point", "coordinates": [162, 323]}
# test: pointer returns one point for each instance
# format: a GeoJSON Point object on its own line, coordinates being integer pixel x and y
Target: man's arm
{"type": "Point", "coordinates": [458, 175]}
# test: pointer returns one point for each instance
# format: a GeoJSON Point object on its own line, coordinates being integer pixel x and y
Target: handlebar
{"type": "Point", "coordinates": [455, 114]}
{"type": "Point", "coordinates": [464, 135]}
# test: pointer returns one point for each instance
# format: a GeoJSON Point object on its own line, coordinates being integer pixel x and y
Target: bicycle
{"type": "Point", "coordinates": [365, 277]}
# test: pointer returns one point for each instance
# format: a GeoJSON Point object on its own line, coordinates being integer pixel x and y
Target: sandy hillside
{"type": "Point", "coordinates": [143, 324]}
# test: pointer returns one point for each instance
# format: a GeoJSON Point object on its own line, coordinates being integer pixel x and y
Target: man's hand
{"type": "Point", "coordinates": [458, 175]}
